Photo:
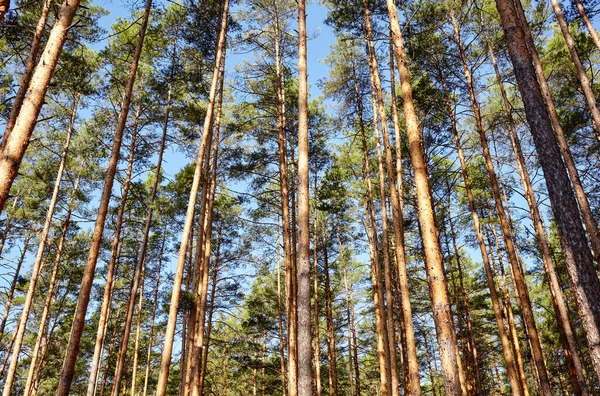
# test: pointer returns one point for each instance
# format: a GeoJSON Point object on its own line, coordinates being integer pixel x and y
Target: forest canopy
{"type": "Point", "coordinates": [260, 197]}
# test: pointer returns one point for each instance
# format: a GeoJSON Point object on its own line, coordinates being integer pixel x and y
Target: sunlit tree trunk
{"type": "Point", "coordinates": [331, 352]}
{"type": "Point", "coordinates": [37, 265]}
{"type": "Point", "coordinates": [153, 320]}
{"type": "Point", "coordinates": [342, 261]}
{"type": "Point", "coordinates": [588, 23]}
{"type": "Point", "coordinates": [438, 287]}
{"type": "Point", "coordinates": [19, 137]}
{"type": "Point", "coordinates": [578, 258]}
{"type": "Point", "coordinates": [28, 72]}
{"type": "Point", "coordinates": [560, 309]}
{"type": "Point", "coordinates": [189, 219]}
{"type": "Point", "coordinates": [317, 350]}
{"type": "Point", "coordinates": [11, 294]}
{"type": "Point", "coordinates": [138, 330]}
{"type": "Point", "coordinates": [50, 293]}
{"type": "Point", "coordinates": [280, 320]}
{"type": "Point", "coordinates": [303, 263]}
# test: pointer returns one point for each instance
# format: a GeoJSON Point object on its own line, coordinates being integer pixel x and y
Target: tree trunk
{"type": "Point", "coordinates": [280, 320]}
{"type": "Point", "coordinates": [137, 332]}
{"type": "Point", "coordinates": [7, 228]}
{"type": "Point", "coordinates": [578, 258]}
{"type": "Point", "coordinates": [438, 287]}
{"type": "Point", "coordinates": [317, 351]}
{"type": "Point", "coordinates": [28, 72]}
{"type": "Point", "coordinates": [303, 266]}
{"type": "Point", "coordinates": [584, 81]}
{"type": "Point", "coordinates": [505, 343]}
{"type": "Point", "coordinates": [11, 292]}
{"type": "Point", "coordinates": [558, 301]}
{"type": "Point", "coordinates": [588, 23]}
{"type": "Point", "coordinates": [331, 352]}
{"type": "Point", "coordinates": [37, 265]}
{"type": "Point", "coordinates": [18, 139]}
{"type": "Point", "coordinates": [50, 293]}
{"type": "Point", "coordinates": [351, 357]}
{"type": "Point", "coordinates": [519, 279]}
{"type": "Point", "coordinates": [89, 271]}
{"type": "Point", "coordinates": [189, 218]}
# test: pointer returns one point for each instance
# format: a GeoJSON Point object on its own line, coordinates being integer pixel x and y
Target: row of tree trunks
{"type": "Point", "coordinates": [43, 321]}
{"type": "Point", "coordinates": [68, 369]}
{"type": "Point", "coordinates": [561, 312]}
{"type": "Point", "coordinates": [578, 258]}
{"type": "Point", "coordinates": [438, 288]}
{"type": "Point", "coordinates": [520, 284]}
{"type": "Point", "coordinates": [189, 219]}
{"type": "Point", "coordinates": [38, 263]}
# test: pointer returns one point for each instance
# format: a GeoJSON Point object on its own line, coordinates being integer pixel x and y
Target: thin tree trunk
{"type": "Point", "coordinates": [519, 279]}
{"type": "Point", "coordinates": [588, 23]}
{"type": "Point", "coordinates": [584, 81]}
{"type": "Point", "coordinates": [331, 352]}
{"type": "Point", "coordinates": [89, 271]}
{"type": "Point", "coordinates": [317, 351]}
{"type": "Point", "coordinates": [37, 265]}
{"type": "Point", "coordinates": [438, 287]}
{"type": "Point", "coordinates": [137, 332]}
{"type": "Point", "coordinates": [280, 320]}
{"type": "Point", "coordinates": [303, 266]}
{"type": "Point", "coordinates": [506, 349]}
{"type": "Point", "coordinates": [558, 301]}
{"type": "Point", "coordinates": [153, 320]}
{"type": "Point", "coordinates": [354, 344]}
{"type": "Point", "coordinates": [11, 292]}
{"type": "Point", "coordinates": [19, 137]}
{"type": "Point", "coordinates": [578, 258]}
{"type": "Point", "coordinates": [7, 228]}
{"type": "Point", "coordinates": [342, 261]}
{"type": "Point", "coordinates": [50, 292]}
{"type": "Point", "coordinates": [189, 219]}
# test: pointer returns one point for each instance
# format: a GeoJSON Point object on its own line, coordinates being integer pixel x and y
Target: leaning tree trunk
{"type": "Point", "coordinates": [37, 265]}
{"type": "Point", "coordinates": [519, 279]}
{"type": "Point", "coordinates": [68, 369]}
{"type": "Point", "coordinates": [50, 292]}
{"type": "Point", "coordinates": [584, 81]}
{"type": "Point", "coordinates": [578, 258]}
{"type": "Point", "coordinates": [20, 136]}
{"type": "Point", "coordinates": [189, 217]}
{"type": "Point", "coordinates": [303, 263]}
{"type": "Point", "coordinates": [558, 301]}
{"type": "Point", "coordinates": [438, 287]}
{"type": "Point", "coordinates": [11, 291]}
{"type": "Point", "coordinates": [588, 23]}
{"type": "Point", "coordinates": [27, 73]}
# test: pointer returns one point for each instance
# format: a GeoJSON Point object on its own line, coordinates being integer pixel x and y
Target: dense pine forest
{"type": "Point", "coordinates": [269, 197]}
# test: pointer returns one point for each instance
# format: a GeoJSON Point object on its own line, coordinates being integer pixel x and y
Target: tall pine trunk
{"type": "Point", "coordinates": [438, 288]}
{"type": "Point", "coordinates": [303, 262]}
{"type": "Point", "coordinates": [20, 135]}
{"type": "Point", "coordinates": [331, 352]}
{"type": "Point", "coordinates": [588, 23]}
